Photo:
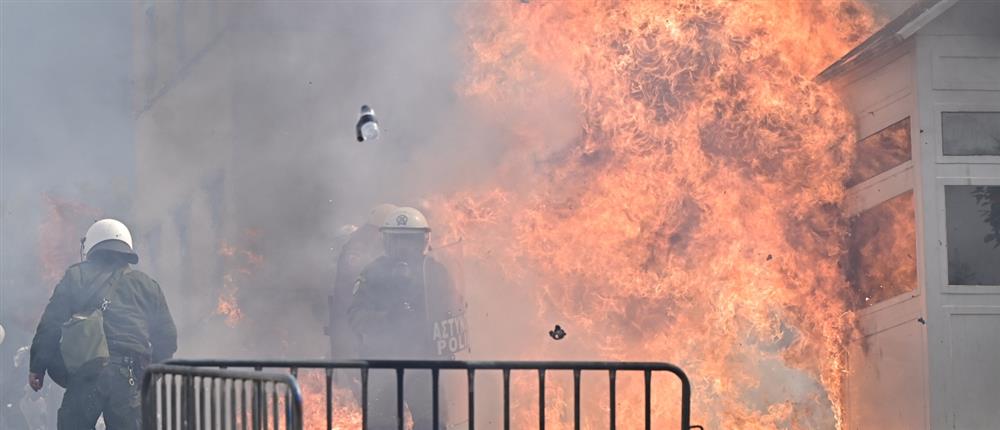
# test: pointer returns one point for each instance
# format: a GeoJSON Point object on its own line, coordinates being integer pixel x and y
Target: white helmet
{"type": "Point", "coordinates": [376, 216]}
{"type": "Point", "coordinates": [3, 334]}
{"type": "Point", "coordinates": [110, 235]}
{"type": "Point", "coordinates": [405, 219]}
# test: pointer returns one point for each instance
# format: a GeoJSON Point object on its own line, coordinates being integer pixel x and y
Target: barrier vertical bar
{"type": "Point", "coordinates": [173, 402]}
{"type": "Point", "coordinates": [364, 398]}
{"type": "Point", "coordinates": [200, 384]}
{"type": "Point", "coordinates": [256, 411]}
{"type": "Point", "coordinates": [506, 399]}
{"type": "Point", "coordinates": [164, 412]}
{"type": "Point", "coordinates": [612, 402]}
{"type": "Point", "coordinates": [232, 404]}
{"type": "Point", "coordinates": [541, 399]}
{"type": "Point", "coordinates": [274, 405]}
{"type": "Point", "coordinates": [685, 400]}
{"type": "Point", "coordinates": [244, 407]}
{"type": "Point", "coordinates": [435, 375]}
{"type": "Point", "coordinates": [576, 399]}
{"type": "Point", "coordinates": [647, 376]}
{"type": "Point", "coordinates": [297, 409]}
{"type": "Point", "coordinates": [399, 398]}
{"type": "Point", "coordinates": [329, 398]}
{"type": "Point", "coordinates": [211, 404]}
{"type": "Point", "coordinates": [261, 404]}
{"type": "Point", "coordinates": [294, 371]}
{"type": "Point", "coordinates": [189, 402]}
{"type": "Point", "coordinates": [181, 404]}
{"type": "Point", "coordinates": [472, 398]}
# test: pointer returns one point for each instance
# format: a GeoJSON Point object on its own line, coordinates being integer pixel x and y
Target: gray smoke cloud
{"type": "Point", "coordinates": [245, 137]}
{"type": "Point", "coordinates": [65, 149]}
{"type": "Point", "coordinates": [204, 124]}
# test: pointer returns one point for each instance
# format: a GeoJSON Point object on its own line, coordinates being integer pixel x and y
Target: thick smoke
{"type": "Point", "coordinates": [246, 146]}
{"type": "Point", "coordinates": [66, 155]}
{"type": "Point", "coordinates": [207, 127]}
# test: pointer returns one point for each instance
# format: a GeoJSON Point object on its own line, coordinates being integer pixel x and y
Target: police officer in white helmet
{"type": "Point", "coordinates": [103, 325]}
{"type": "Point", "coordinates": [402, 302]}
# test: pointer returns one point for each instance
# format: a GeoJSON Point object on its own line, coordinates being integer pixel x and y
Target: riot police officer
{"type": "Point", "coordinates": [363, 247]}
{"type": "Point", "coordinates": [406, 306]}
{"type": "Point", "coordinates": [103, 325]}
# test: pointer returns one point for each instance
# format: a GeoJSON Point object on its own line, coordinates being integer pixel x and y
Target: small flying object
{"type": "Point", "coordinates": [367, 127]}
{"type": "Point", "coordinates": [557, 333]}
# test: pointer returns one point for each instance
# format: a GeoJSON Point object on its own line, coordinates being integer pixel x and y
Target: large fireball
{"type": "Point", "coordinates": [686, 203]}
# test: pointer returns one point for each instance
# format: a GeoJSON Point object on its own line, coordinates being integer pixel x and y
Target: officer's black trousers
{"type": "Point", "coordinates": [416, 396]}
{"type": "Point", "coordinates": [108, 392]}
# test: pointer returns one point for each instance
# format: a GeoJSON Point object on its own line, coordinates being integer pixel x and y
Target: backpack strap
{"type": "Point", "coordinates": [100, 287]}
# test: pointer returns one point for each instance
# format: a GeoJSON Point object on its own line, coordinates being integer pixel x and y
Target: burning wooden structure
{"type": "Point", "coordinates": [925, 92]}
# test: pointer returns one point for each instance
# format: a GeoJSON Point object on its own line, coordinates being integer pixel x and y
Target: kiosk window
{"type": "Point", "coordinates": [972, 220]}
{"type": "Point", "coordinates": [970, 133]}
{"type": "Point", "coordinates": [881, 151]}
{"type": "Point", "coordinates": [882, 249]}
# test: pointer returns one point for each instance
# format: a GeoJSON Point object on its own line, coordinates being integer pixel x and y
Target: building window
{"type": "Point", "coordinates": [970, 133]}
{"type": "Point", "coordinates": [882, 251]}
{"type": "Point", "coordinates": [972, 219]}
{"type": "Point", "coordinates": [881, 151]}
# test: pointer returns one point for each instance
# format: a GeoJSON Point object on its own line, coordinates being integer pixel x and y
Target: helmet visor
{"type": "Point", "coordinates": [403, 244]}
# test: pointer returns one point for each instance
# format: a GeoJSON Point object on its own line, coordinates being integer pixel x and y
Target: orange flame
{"type": "Point", "coordinates": [228, 306]}
{"type": "Point", "coordinates": [346, 412]}
{"type": "Point", "coordinates": [695, 216]}
{"type": "Point", "coordinates": [59, 234]}
{"type": "Point", "coordinates": [239, 263]}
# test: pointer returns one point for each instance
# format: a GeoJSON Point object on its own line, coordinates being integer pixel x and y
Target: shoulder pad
{"type": "Point", "coordinates": [76, 268]}
{"type": "Point", "coordinates": [74, 273]}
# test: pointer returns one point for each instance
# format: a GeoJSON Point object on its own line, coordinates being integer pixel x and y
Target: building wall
{"type": "Point", "coordinates": [958, 69]}
{"type": "Point", "coordinates": [928, 358]}
{"type": "Point", "coordinates": [886, 384]}
{"type": "Point", "coordinates": [184, 140]}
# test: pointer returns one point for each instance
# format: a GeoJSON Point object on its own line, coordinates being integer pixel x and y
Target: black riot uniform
{"type": "Point", "coordinates": [406, 309]}
{"type": "Point", "coordinates": [139, 330]}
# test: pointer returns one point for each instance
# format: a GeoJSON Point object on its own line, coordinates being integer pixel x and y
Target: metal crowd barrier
{"type": "Point", "coordinates": [541, 367]}
{"type": "Point", "coordinates": [177, 397]}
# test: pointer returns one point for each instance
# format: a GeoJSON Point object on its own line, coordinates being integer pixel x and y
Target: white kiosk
{"type": "Point", "coordinates": [925, 244]}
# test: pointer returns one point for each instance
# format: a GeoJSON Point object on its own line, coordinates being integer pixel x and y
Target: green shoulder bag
{"type": "Point", "coordinates": [83, 340]}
